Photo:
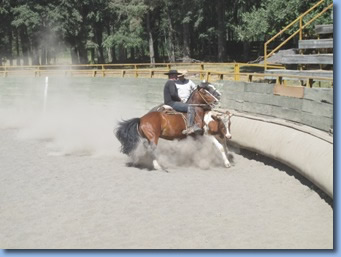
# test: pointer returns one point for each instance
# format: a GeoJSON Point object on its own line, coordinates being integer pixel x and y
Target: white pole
{"type": "Point", "coordinates": [45, 92]}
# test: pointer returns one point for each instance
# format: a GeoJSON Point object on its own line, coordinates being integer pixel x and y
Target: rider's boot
{"type": "Point", "coordinates": [191, 127]}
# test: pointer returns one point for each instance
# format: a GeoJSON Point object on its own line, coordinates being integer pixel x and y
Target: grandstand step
{"type": "Point", "coordinates": [315, 43]}
{"type": "Point", "coordinates": [324, 29]}
{"type": "Point", "coordinates": [305, 73]}
{"type": "Point", "coordinates": [307, 59]}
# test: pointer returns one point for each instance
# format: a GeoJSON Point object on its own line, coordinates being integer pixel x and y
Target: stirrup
{"type": "Point", "coordinates": [188, 131]}
{"type": "Point", "coordinates": [192, 130]}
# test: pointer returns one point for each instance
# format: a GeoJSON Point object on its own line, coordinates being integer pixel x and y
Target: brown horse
{"type": "Point", "coordinates": [155, 125]}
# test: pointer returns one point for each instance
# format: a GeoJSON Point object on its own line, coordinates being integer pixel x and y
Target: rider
{"type": "Point", "coordinates": [176, 98]}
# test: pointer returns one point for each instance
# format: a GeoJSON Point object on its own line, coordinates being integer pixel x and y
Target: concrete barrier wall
{"type": "Point", "coordinates": [315, 109]}
{"type": "Point", "coordinates": [290, 130]}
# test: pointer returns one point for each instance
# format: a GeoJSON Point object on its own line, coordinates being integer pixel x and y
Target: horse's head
{"type": "Point", "coordinates": [203, 96]}
{"type": "Point", "coordinates": [210, 88]}
{"type": "Point", "coordinates": [224, 124]}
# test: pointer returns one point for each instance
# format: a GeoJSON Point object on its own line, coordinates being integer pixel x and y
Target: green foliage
{"type": "Point", "coordinates": [261, 23]}
{"type": "Point", "coordinates": [99, 26]}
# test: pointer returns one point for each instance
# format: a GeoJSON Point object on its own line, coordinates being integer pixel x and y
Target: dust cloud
{"type": "Point", "coordinates": [190, 152]}
{"type": "Point", "coordinates": [78, 120]}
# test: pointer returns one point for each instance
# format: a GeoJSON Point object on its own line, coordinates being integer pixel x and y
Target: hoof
{"type": "Point", "coordinates": [227, 165]}
{"type": "Point", "coordinates": [156, 165]}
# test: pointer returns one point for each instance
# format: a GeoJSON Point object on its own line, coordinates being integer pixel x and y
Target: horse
{"type": "Point", "coordinates": [155, 125]}
{"type": "Point", "coordinates": [218, 129]}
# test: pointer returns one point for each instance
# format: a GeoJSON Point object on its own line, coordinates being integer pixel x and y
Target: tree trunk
{"type": "Point", "coordinates": [121, 54]}
{"type": "Point", "coordinates": [246, 50]}
{"type": "Point", "coordinates": [24, 44]}
{"type": "Point", "coordinates": [99, 41]}
{"type": "Point", "coordinates": [10, 43]}
{"type": "Point", "coordinates": [82, 54]}
{"type": "Point", "coordinates": [43, 55]}
{"type": "Point", "coordinates": [220, 10]}
{"type": "Point", "coordinates": [17, 47]}
{"type": "Point", "coordinates": [142, 51]}
{"type": "Point", "coordinates": [113, 51]}
{"type": "Point", "coordinates": [35, 56]}
{"type": "Point", "coordinates": [151, 40]}
{"type": "Point", "coordinates": [74, 55]}
{"type": "Point", "coordinates": [92, 55]}
{"type": "Point", "coordinates": [109, 51]}
{"type": "Point", "coordinates": [186, 36]}
{"type": "Point", "coordinates": [171, 48]}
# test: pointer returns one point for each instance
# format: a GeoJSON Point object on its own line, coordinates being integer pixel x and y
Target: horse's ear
{"type": "Point", "coordinates": [228, 113]}
{"type": "Point", "coordinates": [215, 117]}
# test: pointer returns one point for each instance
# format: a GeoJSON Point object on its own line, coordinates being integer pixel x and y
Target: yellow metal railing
{"type": "Point", "coordinates": [235, 72]}
{"type": "Point", "coordinates": [123, 69]}
{"type": "Point", "coordinates": [299, 19]}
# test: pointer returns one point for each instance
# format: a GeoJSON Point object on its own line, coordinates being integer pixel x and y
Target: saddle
{"type": "Point", "coordinates": [169, 110]}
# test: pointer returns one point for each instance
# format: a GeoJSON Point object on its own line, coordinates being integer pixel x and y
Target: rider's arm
{"type": "Point", "coordinates": [173, 91]}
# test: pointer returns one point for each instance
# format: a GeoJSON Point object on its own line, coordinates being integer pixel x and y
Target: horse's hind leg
{"type": "Point", "coordinates": [150, 144]}
{"type": "Point", "coordinates": [151, 148]}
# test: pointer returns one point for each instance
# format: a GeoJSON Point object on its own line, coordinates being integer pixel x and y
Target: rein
{"type": "Point", "coordinates": [211, 105]}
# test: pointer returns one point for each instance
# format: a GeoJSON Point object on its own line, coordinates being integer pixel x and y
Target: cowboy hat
{"type": "Point", "coordinates": [172, 72]}
{"type": "Point", "coordinates": [182, 73]}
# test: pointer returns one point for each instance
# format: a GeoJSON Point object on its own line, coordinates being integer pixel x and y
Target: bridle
{"type": "Point", "coordinates": [203, 98]}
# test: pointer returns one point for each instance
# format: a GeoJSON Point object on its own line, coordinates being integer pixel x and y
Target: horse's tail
{"type": "Point", "coordinates": [127, 133]}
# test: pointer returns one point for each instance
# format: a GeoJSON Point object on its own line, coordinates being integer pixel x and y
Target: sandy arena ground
{"type": "Point", "coordinates": [64, 184]}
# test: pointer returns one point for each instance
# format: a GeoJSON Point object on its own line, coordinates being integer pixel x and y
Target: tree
{"type": "Point", "coordinates": [264, 21]}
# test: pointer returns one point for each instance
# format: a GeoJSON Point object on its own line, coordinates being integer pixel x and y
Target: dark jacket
{"type": "Point", "coordinates": [170, 93]}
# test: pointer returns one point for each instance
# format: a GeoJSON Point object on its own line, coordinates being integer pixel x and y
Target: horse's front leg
{"type": "Point", "coordinates": [222, 149]}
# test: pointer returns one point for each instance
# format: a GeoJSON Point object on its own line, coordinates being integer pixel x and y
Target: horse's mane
{"type": "Point", "coordinates": [190, 96]}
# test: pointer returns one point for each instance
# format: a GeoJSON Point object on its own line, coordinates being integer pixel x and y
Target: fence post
{"type": "Point", "coordinates": [103, 72]}
{"type": "Point", "coordinates": [136, 75]}
{"type": "Point", "coordinates": [279, 80]}
{"type": "Point", "coordinates": [310, 82]}
{"type": "Point", "coordinates": [300, 36]}
{"type": "Point", "coordinates": [265, 56]}
{"type": "Point", "coordinates": [236, 71]}
{"type": "Point", "coordinates": [202, 68]}
{"type": "Point", "coordinates": [208, 74]}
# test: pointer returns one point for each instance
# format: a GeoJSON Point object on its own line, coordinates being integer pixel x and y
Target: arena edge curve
{"type": "Point", "coordinates": [308, 153]}
{"type": "Point", "coordinates": [276, 126]}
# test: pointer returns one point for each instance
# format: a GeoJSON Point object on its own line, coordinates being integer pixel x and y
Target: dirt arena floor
{"type": "Point", "coordinates": [65, 185]}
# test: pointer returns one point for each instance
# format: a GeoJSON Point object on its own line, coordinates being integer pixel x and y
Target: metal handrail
{"type": "Point", "coordinates": [301, 27]}
{"type": "Point", "coordinates": [235, 75]}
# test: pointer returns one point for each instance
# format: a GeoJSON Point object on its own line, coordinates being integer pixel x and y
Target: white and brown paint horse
{"type": "Point", "coordinates": [218, 129]}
